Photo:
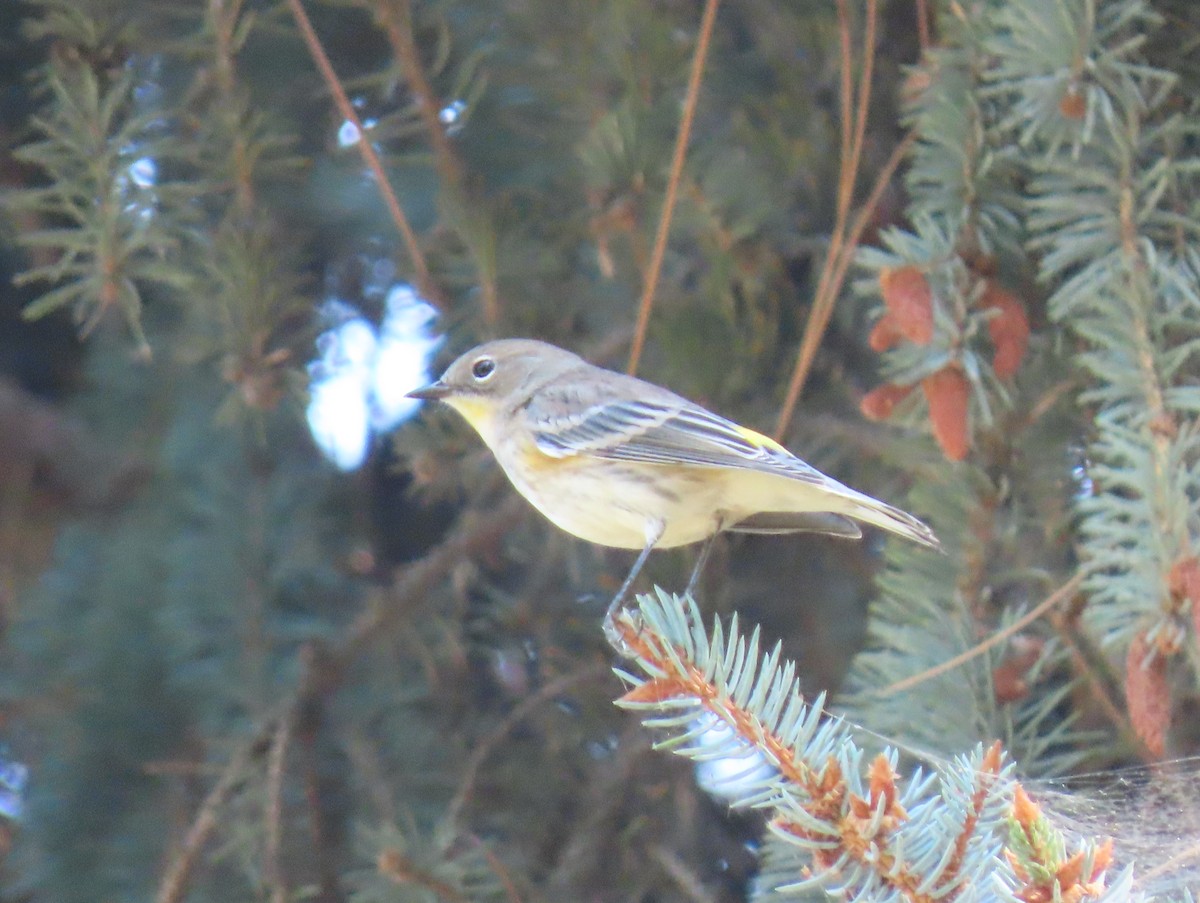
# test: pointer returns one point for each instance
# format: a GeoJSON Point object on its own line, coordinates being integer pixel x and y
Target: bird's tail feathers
{"type": "Point", "coordinates": [879, 514]}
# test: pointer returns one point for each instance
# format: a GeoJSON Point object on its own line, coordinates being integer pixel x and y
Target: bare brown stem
{"type": "Point", "coordinates": [276, 768]}
{"type": "Point", "coordinates": [425, 283]}
{"type": "Point", "coordinates": [1061, 594]}
{"type": "Point", "coordinates": [484, 747]}
{"type": "Point", "coordinates": [823, 306]}
{"type": "Point", "coordinates": [650, 286]}
{"type": "Point", "coordinates": [841, 248]}
{"type": "Point", "coordinates": [174, 884]}
{"type": "Point", "coordinates": [397, 20]}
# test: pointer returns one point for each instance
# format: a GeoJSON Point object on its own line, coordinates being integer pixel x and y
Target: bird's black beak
{"type": "Point", "coordinates": [431, 392]}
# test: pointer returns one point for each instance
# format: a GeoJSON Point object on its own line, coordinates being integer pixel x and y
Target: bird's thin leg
{"type": "Point", "coordinates": [705, 551]}
{"type": "Point", "coordinates": [654, 532]}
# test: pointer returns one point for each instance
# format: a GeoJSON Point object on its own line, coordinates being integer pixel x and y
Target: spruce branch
{"type": "Point", "coordinates": [853, 829]}
{"type": "Point", "coordinates": [111, 226]}
{"type": "Point", "coordinates": [1111, 168]}
{"type": "Point", "coordinates": [175, 881]}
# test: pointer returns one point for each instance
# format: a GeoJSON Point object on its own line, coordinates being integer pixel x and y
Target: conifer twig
{"type": "Point", "coordinates": [691, 99]}
{"type": "Point", "coordinates": [396, 18]}
{"type": "Point", "coordinates": [224, 17]}
{"type": "Point", "coordinates": [854, 837]}
{"type": "Point", "coordinates": [1063, 592]}
{"type": "Point", "coordinates": [321, 678]}
{"type": "Point", "coordinates": [425, 283]}
{"type": "Point", "coordinates": [1102, 685]}
{"type": "Point", "coordinates": [857, 831]}
{"type": "Point", "coordinates": [402, 871]}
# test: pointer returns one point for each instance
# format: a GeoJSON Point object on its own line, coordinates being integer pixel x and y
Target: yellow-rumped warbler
{"type": "Point", "coordinates": [624, 463]}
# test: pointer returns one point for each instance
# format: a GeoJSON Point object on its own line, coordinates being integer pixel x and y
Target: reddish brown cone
{"type": "Point", "coordinates": [909, 301]}
{"type": "Point", "coordinates": [949, 395]}
{"type": "Point", "coordinates": [1009, 328]}
{"type": "Point", "coordinates": [879, 402]}
{"type": "Point", "coordinates": [1147, 695]}
{"type": "Point", "coordinates": [885, 335]}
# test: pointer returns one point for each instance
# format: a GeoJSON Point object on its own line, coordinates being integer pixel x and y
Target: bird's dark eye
{"type": "Point", "coordinates": [483, 368]}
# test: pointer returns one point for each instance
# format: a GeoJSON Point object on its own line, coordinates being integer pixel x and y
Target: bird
{"type": "Point", "coordinates": [622, 462]}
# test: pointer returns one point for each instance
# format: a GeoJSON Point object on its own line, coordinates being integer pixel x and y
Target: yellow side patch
{"type": "Point", "coordinates": [758, 439]}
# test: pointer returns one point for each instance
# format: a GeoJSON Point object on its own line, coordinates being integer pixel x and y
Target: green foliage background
{"type": "Point", "coordinates": [395, 677]}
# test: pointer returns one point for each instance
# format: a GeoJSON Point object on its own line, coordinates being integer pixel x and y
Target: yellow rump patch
{"type": "Point", "coordinates": [758, 439]}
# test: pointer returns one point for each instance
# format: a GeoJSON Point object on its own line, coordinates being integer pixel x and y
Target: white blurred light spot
{"type": "Point", "coordinates": [360, 378]}
{"type": "Point", "coordinates": [348, 134]}
{"type": "Point", "coordinates": [144, 172]}
{"type": "Point", "coordinates": [402, 358]}
{"type": "Point", "coordinates": [452, 112]}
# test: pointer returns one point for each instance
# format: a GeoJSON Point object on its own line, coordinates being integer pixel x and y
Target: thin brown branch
{"type": "Point", "coordinates": [923, 37]}
{"type": "Point", "coordinates": [859, 225]}
{"type": "Point", "coordinates": [498, 869]}
{"type": "Point", "coordinates": [425, 283]}
{"type": "Point", "coordinates": [402, 871]}
{"type": "Point", "coordinates": [650, 287]}
{"type": "Point", "coordinates": [841, 247]}
{"type": "Point", "coordinates": [310, 714]}
{"type": "Point", "coordinates": [1061, 594]}
{"type": "Point", "coordinates": [174, 884]}
{"type": "Point", "coordinates": [865, 78]}
{"type": "Point", "coordinates": [276, 769]}
{"type": "Point", "coordinates": [822, 309]}
{"type": "Point", "coordinates": [223, 16]}
{"type": "Point", "coordinates": [845, 92]}
{"type": "Point", "coordinates": [1102, 686]}
{"type": "Point", "coordinates": [685, 878]}
{"type": "Point", "coordinates": [397, 20]}
{"type": "Point", "coordinates": [519, 713]}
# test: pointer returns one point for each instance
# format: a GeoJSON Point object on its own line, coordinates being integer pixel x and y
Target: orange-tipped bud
{"type": "Point", "coordinates": [1025, 811]}
{"type": "Point", "coordinates": [882, 779]}
{"type": "Point", "coordinates": [657, 690]}
{"type": "Point", "coordinates": [1184, 581]}
{"type": "Point", "coordinates": [1073, 105]}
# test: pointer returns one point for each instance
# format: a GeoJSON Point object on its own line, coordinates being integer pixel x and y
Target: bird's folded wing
{"type": "Point", "coordinates": [654, 432]}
